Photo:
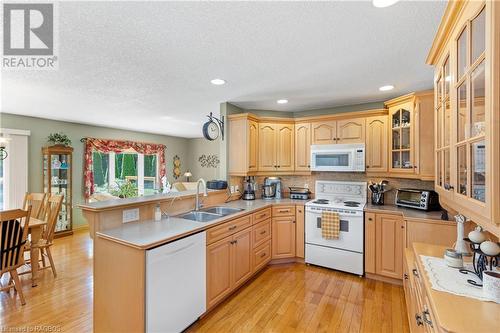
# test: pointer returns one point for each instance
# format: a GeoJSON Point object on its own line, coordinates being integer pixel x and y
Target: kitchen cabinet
{"type": "Point", "coordinates": [351, 131]}
{"type": "Point", "coordinates": [411, 136]}
{"type": "Point", "coordinates": [389, 243]}
{"type": "Point", "coordinates": [370, 248]}
{"type": "Point", "coordinates": [243, 148]}
{"type": "Point", "coordinates": [276, 147]}
{"type": "Point", "coordinates": [376, 144]}
{"type": "Point", "coordinates": [338, 131]}
{"type": "Point", "coordinates": [324, 132]}
{"type": "Point", "coordinates": [283, 230]}
{"type": "Point", "coordinates": [229, 264]}
{"type": "Point", "coordinates": [302, 147]}
{"type": "Point", "coordinates": [466, 82]}
{"type": "Point", "coordinates": [299, 231]}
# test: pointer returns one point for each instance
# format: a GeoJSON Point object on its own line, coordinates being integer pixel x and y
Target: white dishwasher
{"type": "Point", "coordinates": [176, 284]}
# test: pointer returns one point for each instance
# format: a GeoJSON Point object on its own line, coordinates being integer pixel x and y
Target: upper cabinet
{"type": "Point", "coordinates": [324, 132]}
{"type": "Point", "coordinates": [376, 144]}
{"type": "Point", "coordinates": [351, 131]}
{"type": "Point", "coordinates": [276, 147]}
{"type": "Point", "coordinates": [411, 136]}
{"type": "Point", "coordinates": [302, 146]}
{"type": "Point", "coordinates": [244, 134]}
{"type": "Point", "coordinates": [467, 99]}
{"type": "Point", "coordinates": [340, 131]}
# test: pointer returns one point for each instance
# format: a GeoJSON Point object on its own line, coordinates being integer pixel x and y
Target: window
{"type": "Point", "coordinates": [125, 174]}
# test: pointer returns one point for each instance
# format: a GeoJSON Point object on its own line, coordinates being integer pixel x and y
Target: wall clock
{"type": "Point", "coordinates": [213, 127]}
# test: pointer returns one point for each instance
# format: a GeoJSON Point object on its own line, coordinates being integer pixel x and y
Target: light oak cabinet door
{"type": "Point", "coordinates": [219, 271]}
{"type": "Point", "coordinates": [285, 147]}
{"type": "Point", "coordinates": [370, 248]}
{"type": "Point", "coordinates": [253, 144]}
{"type": "Point", "coordinates": [351, 131]}
{"type": "Point", "coordinates": [283, 231]}
{"type": "Point", "coordinates": [401, 138]}
{"type": "Point", "coordinates": [267, 147]}
{"type": "Point", "coordinates": [324, 132]}
{"type": "Point", "coordinates": [241, 257]}
{"type": "Point", "coordinates": [302, 147]}
{"type": "Point", "coordinates": [299, 231]}
{"type": "Point", "coordinates": [389, 238]}
{"type": "Point", "coordinates": [376, 144]}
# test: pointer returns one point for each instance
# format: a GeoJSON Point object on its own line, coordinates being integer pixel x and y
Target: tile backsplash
{"type": "Point", "coordinates": [302, 181]}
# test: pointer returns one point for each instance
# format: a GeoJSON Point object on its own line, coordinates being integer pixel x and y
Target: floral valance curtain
{"type": "Point", "coordinates": [117, 146]}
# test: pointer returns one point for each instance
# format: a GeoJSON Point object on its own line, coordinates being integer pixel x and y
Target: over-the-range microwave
{"type": "Point", "coordinates": [338, 157]}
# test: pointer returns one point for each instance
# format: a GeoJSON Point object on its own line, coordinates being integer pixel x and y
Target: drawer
{"type": "Point", "coordinates": [283, 211]}
{"type": "Point", "coordinates": [261, 256]}
{"type": "Point", "coordinates": [261, 232]}
{"type": "Point", "coordinates": [228, 228]}
{"type": "Point", "coordinates": [261, 215]}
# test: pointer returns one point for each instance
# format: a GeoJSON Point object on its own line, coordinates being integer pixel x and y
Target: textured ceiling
{"type": "Point", "coordinates": [147, 66]}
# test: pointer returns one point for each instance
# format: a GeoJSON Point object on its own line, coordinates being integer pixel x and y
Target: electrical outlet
{"type": "Point", "coordinates": [236, 188]}
{"type": "Point", "coordinates": [130, 215]}
{"type": "Point", "coordinates": [232, 188]}
{"type": "Point", "coordinates": [306, 185]}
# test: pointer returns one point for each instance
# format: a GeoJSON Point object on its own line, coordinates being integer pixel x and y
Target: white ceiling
{"type": "Point", "coordinates": [147, 66]}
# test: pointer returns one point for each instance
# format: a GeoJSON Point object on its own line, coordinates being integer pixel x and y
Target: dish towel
{"type": "Point", "coordinates": [330, 225]}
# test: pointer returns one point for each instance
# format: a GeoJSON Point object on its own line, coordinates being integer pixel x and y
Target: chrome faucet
{"type": "Point", "coordinates": [197, 205]}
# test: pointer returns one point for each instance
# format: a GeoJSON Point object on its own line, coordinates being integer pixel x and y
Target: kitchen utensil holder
{"type": "Point", "coordinates": [378, 198]}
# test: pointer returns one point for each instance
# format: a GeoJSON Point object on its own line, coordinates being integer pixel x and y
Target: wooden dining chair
{"type": "Point", "coordinates": [54, 204]}
{"type": "Point", "coordinates": [38, 203]}
{"type": "Point", "coordinates": [13, 235]}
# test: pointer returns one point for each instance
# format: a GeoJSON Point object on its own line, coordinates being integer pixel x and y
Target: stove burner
{"type": "Point", "coordinates": [351, 203]}
{"type": "Point", "coordinates": [321, 201]}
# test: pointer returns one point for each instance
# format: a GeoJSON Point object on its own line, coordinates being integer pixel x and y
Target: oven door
{"type": "Point", "coordinates": [351, 232]}
{"type": "Point", "coordinates": [337, 160]}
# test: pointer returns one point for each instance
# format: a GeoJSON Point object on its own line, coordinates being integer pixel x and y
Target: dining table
{"type": "Point", "coordinates": [35, 230]}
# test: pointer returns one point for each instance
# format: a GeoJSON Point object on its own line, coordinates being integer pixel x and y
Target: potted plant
{"type": "Point", "coordinates": [59, 139]}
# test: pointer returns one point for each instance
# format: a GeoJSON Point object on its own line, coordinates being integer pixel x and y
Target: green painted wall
{"type": "Point", "coordinates": [41, 128]}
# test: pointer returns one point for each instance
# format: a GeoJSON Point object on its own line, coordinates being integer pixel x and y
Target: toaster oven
{"type": "Point", "coordinates": [418, 199]}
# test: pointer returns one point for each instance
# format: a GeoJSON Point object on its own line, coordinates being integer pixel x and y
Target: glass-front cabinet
{"type": "Point", "coordinates": [57, 179]}
{"type": "Point", "coordinates": [467, 134]}
{"type": "Point", "coordinates": [402, 145]}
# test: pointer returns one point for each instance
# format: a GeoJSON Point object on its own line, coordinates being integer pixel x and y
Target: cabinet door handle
{"type": "Point", "coordinates": [293, 221]}
{"type": "Point", "coordinates": [231, 242]}
{"type": "Point", "coordinates": [405, 276]}
{"type": "Point", "coordinates": [263, 255]}
{"type": "Point", "coordinates": [418, 319]}
{"type": "Point", "coordinates": [232, 227]}
{"type": "Point", "coordinates": [425, 317]}
{"type": "Point", "coordinates": [415, 272]}
{"type": "Point", "coordinates": [262, 232]}
{"type": "Point", "coordinates": [262, 215]}
{"type": "Point", "coordinates": [279, 166]}
{"type": "Point", "coordinates": [370, 219]}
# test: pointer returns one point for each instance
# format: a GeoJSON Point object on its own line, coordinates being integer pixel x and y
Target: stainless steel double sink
{"type": "Point", "coordinates": [209, 214]}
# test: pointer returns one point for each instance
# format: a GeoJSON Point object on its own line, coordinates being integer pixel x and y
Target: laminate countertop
{"type": "Point", "coordinates": [148, 234]}
{"type": "Point", "coordinates": [407, 213]}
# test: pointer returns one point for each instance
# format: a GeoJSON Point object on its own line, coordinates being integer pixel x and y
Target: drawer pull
{"type": "Point", "coordinates": [232, 227]}
{"type": "Point", "coordinates": [405, 276]}
{"type": "Point", "coordinates": [425, 317]}
{"type": "Point", "coordinates": [262, 215]}
{"type": "Point", "coordinates": [418, 319]}
{"type": "Point", "coordinates": [284, 210]}
{"type": "Point", "coordinates": [262, 232]}
{"type": "Point", "coordinates": [415, 272]}
{"type": "Point", "coordinates": [263, 255]}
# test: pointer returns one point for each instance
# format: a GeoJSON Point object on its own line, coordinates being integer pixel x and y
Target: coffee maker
{"type": "Point", "coordinates": [271, 188]}
{"type": "Point", "coordinates": [249, 188]}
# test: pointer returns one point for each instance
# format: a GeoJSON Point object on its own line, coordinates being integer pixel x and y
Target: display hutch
{"type": "Point", "coordinates": [466, 56]}
{"type": "Point", "coordinates": [57, 179]}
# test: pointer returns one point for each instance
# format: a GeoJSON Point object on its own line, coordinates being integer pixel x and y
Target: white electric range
{"type": "Point", "coordinates": [346, 252]}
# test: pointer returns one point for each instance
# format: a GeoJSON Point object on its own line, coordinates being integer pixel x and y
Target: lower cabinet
{"type": "Point", "coordinates": [229, 264]}
{"type": "Point", "coordinates": [283, 229]}
{"type": "Point", "coordinates": [384, 244]}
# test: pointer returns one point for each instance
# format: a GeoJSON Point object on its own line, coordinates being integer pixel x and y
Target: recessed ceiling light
{"type": "Point", "coordinates": [218, 82]}
{"type": "Point", "coordinates": [383, 3]}
{"type": "Point", "coordinates": [386, 88]}
{"type": "Point", "coordinates": [282, 101]}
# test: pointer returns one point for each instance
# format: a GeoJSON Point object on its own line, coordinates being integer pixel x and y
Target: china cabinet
{"type": "Point", "coordinates": [57, 179]}
{"type": "Point", "coordinates": [465, 54]}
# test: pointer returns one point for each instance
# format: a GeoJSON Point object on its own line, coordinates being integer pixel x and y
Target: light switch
{"type": "Point", "coordinates": [130, 215]}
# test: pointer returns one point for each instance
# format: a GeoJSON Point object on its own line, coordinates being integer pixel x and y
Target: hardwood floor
{"type": "Point", "coordinates": [283, 298]}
